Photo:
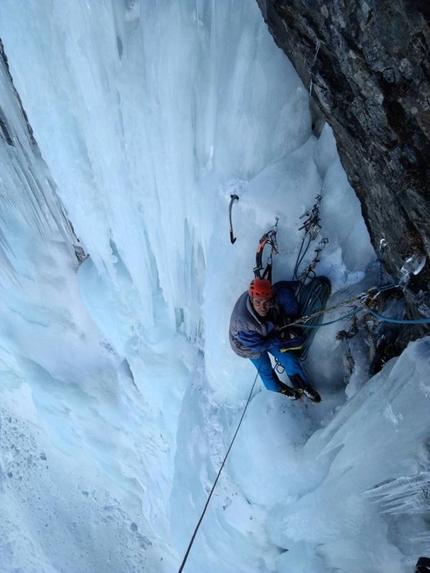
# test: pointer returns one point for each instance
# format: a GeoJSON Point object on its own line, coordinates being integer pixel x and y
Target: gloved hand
{"type": "Point", "coordinates": [291, 339]}
{"type": "Point", "coordinates": [289, 333]}
{"type": "Point", "coordinates": [274, 339]}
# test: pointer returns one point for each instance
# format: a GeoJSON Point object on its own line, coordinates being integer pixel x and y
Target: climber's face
{"type": "Point", "coordinates": [261, 305]}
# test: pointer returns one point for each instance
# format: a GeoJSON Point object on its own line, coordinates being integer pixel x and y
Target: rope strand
{"type": "Point", "coordinates": [397, 320]}
{"type": "Point", "coordinates": [217, 478]}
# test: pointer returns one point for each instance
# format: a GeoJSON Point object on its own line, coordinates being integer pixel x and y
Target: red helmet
{"type": "Point", "coordinates": [261, 288]}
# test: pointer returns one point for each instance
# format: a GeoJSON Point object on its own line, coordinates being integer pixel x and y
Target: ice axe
{"type": "Point", "coordinates": [232, 237]}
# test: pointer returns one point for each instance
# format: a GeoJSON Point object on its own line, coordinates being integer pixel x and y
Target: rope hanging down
{"type": "Point", "coordinates": [181, 568]}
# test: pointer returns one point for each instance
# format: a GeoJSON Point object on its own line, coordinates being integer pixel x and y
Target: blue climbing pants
{"type": "Point", "coordinates": [289, 361]}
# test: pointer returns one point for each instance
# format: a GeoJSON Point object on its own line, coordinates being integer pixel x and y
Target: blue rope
{"type": "Point", "coordinates": [376, 314]}
{"type": "Point", "coordinates": [397, 320]}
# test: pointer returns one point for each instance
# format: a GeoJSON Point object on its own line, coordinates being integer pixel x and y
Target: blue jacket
{"type": "Point", "coordinates": [251, 334]}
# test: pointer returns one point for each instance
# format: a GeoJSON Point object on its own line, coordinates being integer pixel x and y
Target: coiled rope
{"type": "Point", "coordinates": [217, 477]}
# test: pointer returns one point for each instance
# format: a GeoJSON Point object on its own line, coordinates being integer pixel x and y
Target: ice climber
{"type": "Point", "coordinates": [257, 328]}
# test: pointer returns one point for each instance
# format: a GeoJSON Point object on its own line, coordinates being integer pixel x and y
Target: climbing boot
{"type": "Point", "coordinates": [305, 389]}
{"type": "Point", "coordinates": [310, 393]}
{"type": "Point", "coordinates": [290, 392]}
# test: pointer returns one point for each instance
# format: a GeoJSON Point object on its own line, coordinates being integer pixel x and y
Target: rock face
{"type": "Point", "coordinates": [367, 63]}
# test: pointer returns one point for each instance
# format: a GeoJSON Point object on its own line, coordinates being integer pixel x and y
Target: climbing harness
{"type": "Point", "coordinates": [181, 568]}
{"type": "Point", "coordinates": [233, 199]}
{"type": "Point", "coordinates": [268, 239]}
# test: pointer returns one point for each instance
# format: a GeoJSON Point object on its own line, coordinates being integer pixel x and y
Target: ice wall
{"type": "Point", "coordinates": [142, 96]}
{"type": "Point", "coordinates": [366, 509]}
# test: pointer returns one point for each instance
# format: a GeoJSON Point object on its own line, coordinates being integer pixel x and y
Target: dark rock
{"type": "Point", "coordinates": [4, 130]}
{"type": "Point", "coordinates": [368, 66]}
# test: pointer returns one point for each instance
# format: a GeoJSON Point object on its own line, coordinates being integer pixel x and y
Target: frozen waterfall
{"type": "Point", "coordinates": [125, 126]}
